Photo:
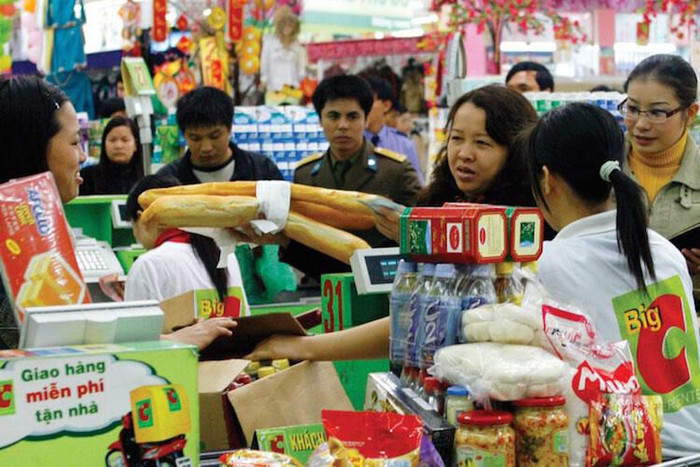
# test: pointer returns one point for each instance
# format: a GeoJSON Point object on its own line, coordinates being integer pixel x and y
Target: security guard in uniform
{"type": "Point", "coordinates": [351, 162]}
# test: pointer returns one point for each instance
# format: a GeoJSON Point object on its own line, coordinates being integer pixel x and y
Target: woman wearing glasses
{"type": "Point", "coordinates": [659, 109]}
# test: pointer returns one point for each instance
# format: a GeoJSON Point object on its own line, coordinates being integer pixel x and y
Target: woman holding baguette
{"type": "Point", "coordinates": [38, 122]}
{"type": "Point", "coordinates": [479, 163]}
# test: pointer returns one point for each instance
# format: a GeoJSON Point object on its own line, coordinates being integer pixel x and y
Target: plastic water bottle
{"type": "Point", "coordinates": [440, 305]}
{"type": "Point", "coordinates": [418, 301]}
{"type": "Point", "coordinates": [478, 288]}
{"type": "Point", "coordinates": [474, 291]}
{"type": "Point", "coordinates": [400, 309]}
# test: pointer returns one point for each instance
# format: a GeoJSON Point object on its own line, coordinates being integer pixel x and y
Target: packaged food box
{"type": "Point", "coordinates": [455, 234]}
{"type": "Point", "coordinates": [525, 231]}
{"type": "Point", "coordinates": [38, 259]}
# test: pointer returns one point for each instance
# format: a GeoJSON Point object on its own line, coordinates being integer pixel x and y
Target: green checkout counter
{"type": "Point", "coordinates": [102, 218]}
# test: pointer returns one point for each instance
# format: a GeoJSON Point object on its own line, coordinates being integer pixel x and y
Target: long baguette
{"type": "Point", "coordinates": [212, 188]}
{"type": "Point", "coordinates": [201, 211]}
{"type": "Point", "coordinates": [330, 216]}
{"type": "Point", "coordinates": [321, 237]}
{"type": "Point", "coordinates": [346, 202]}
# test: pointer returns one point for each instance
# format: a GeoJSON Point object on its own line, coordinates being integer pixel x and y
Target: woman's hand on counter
{"type": "Point", "coordinates": [692, 257]}
{"type": "Point", "coordinates": [203, 333]}
{"type": "Point", "coordinates": [387, 222]}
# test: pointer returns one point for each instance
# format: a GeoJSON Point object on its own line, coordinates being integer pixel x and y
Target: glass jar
{"type": "Point", "coordinates": [457, 402]}
{"type": "Point", "coordinates": [542, 429]}
{"type": "Point", "coordinates": [485, 438]}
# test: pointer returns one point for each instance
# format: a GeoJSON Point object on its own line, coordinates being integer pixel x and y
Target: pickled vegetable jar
{"type": "Point", "coordinates": [542, 431]}
{"type": "Point", "coordinates": [485, 438]}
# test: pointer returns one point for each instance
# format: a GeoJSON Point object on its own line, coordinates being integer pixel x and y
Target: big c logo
{"type": "Point", "coordinates": [173, 399]}
{"type": "Point", "coordinates": [144, 413]}
{"type": "Point", "coordinates": [277, 444]}
{"type": "Point", "coordinates": [7, 398]}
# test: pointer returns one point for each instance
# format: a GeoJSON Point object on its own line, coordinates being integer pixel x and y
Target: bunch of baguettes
{"type": "Point", "coordinates": [318, 217]}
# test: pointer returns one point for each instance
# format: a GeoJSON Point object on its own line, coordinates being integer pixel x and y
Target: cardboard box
{"type": "Point", "coordinates": [291, 397]}
{"type": "Point", "coordinates": [69, 405]}
{"type": "Point", "coordinates": [298, 441]}
{"type": "Point", "coordinates": [386, 394]}
{"type": "Point", "coordinates": [37, 258]}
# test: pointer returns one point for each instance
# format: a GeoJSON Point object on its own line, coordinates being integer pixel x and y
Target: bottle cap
{"type": "Point", "coordinates": [432, 384]}
{"type": "Point", "coordinates": [252, 368]}
{"type": "Point", "coordinates": [422, 375]}
{"type": "Point", "coordinates": [405, 267]}
{"type": "Point", "coordinates": [541, 402]}
{"type": "Point", "coordinates": [484, 418]}
{"type": "Point", "coordinates": [280, 364]}
{"type": "Point", "coordinates": [457, 391]}
{"type": "Point", "coordinates": [445, 270]}
{"type": "Point", "coordinates": [266, 371]}
{"type": "Point", "coordinates": [504, 269]}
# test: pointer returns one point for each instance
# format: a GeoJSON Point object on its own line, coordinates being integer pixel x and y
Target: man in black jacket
{"type": "Point", "coordinates": [205, 117]}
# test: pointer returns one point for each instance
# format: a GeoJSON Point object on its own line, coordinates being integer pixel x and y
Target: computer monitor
{"type": "Point", "coordinates": [94, 323]}
{"type": "Point", "coordinates": [119, 220]}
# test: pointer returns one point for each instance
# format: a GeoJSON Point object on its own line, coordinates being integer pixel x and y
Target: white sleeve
{"type": "Point", "coordinates": [142, 282]}
{"type": "Point", "coordinates": [235, 279]}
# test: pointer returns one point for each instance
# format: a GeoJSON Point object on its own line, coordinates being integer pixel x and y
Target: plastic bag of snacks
{"type": "Point", "coordinates": [506, 323]}
{"type": "Point", "coordinates": [248, 457]}
{"type": "Point", "coordinates": [596, 368]}
{"type": "Point", "coordinates": [374, 439]}
{"type": "Point", "coordinates": [625, 430]}
{"type": "Point", "coordinates": [500, 371]}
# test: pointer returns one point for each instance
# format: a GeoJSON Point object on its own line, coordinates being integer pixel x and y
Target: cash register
{"type": "Point", "coordinates": [96, 259]}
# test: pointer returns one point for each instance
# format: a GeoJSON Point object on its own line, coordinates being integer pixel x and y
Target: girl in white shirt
{"type": "Point", "coordinates": [632, 282]}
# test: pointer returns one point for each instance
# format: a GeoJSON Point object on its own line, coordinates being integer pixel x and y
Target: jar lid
{"type": "Point", "coordinates": [484, 417]}
{"type": "Point", "coordinates": [265, 371]}
{"type": "Point", "coordinates": [541, 402]}
{"type": "Point", "coordinates": [457, 391]}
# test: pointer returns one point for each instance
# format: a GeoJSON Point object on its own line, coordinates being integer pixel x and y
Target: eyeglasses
{"type": "Point", "coordinates": [632, 112]}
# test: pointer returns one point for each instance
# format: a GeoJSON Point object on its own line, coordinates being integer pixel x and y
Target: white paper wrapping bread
{"type": "Point", "coordinates": [500, 371]}
{"type": "Point", "coordinates": [506, 323]}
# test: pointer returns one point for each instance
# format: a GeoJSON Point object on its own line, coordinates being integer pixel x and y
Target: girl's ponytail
{"type": "Point", "coordinates": [208, 252]}
{"type": "Point", "coordinates": [631, 220]}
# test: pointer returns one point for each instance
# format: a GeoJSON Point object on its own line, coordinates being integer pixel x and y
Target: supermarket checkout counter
{"type": "Point", "coordinates": [104, 241]}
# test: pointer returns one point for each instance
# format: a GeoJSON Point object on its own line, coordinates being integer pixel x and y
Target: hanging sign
{"type": "Point", "coordinates": [212, 63]}
{"type": "Point", "coordinates": [235, 20]}
{"type": "Point", "coordinates": [160, 25]}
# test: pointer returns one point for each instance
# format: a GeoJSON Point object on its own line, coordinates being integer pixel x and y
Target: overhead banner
{"type": "Point", "coordinates": [363, 48]}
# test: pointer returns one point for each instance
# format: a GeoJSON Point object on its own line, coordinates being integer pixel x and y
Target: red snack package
{"type": "Point", "coordinates": [625, 429]}
{"type": "Point", "coordinates": [376, 435]}
{"type": "Point", "coordinates": [36, 249]}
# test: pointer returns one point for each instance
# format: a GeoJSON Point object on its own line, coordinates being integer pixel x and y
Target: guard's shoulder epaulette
{"type": "Point", "coordinates": [309, 159]}
{"type": "Point", "coordinates": [395, 156]}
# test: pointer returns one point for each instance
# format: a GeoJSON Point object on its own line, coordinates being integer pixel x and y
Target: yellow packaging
{"type": "Point", "coordinates": [160, 412]}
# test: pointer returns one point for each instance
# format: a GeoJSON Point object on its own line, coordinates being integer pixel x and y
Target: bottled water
{"type": "Point", "coordinates": [419, 300]}
{"type": "Point", "coordinates": [400, 309]}
{"type": "Point", "coordinates": [441, 306]}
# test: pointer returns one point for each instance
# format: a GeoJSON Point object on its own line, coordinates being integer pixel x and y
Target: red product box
{"type": "Point", "coordinates": [36, 248]}
{"type": "Point", "coordinates": [455, 234]}
{"type": "Point", "coordinates": [525, 231]}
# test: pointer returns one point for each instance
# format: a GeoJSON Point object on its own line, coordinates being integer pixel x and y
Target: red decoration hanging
{"type": "Point", "coordinates": [160, 25]}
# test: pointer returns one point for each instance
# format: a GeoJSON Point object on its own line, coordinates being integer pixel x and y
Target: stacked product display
{"type": "Point", "coordinates": [480, 333]}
